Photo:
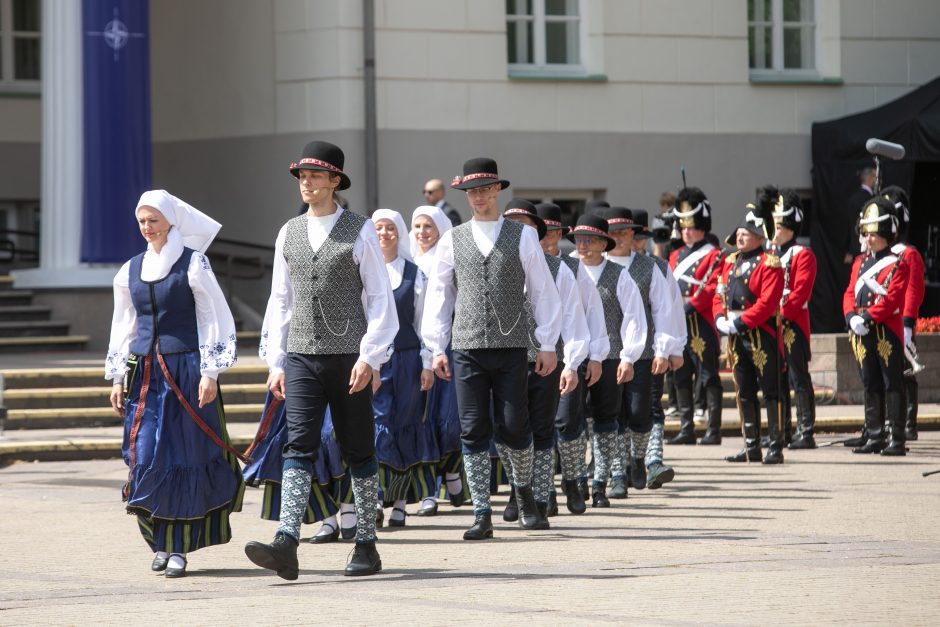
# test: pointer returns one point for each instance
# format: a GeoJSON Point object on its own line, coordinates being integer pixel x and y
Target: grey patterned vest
{"type": "Point", "coordinates": [554, 264]}
{"type": "Point", "coordinates": [613, 314]}
{"type": "Point", "coordinates": [490, 308]}
{"type": "Point", "coordinates": [327, 318]}
{"type": "Point", "coordinates": [572, 264]}
{"type": "Point", "coordinates": [641, 271]}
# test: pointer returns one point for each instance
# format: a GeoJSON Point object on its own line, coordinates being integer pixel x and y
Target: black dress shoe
{"type": "Point", "coordinates": [511, 513]}
{"type": "Point", "coordinates": [711, 438]}
{"type": "Point", "coordinates": [773, 456]}
{"type": "Point", "coordinates": [745, 455]}
{"type": "Point", "coordinates": [803, 442]}
{"type": "Point", "coordinates": [457, 499]}
{"type": "Point", "coordinates": [895, 449]}
{"type": "Point", "coordinates": [871, 446]}
{"type": "Point", "coordinates": [573, 496]}
{"type": "Point", "coordinates": [552, 504]}
{"type": "Point", "coordinates": [529, 515]}
{"type": "Point", "coordinates": [159, 563]}
{"type": "Point", "coordinates": [910, 434]}
{"type": "Point", "coordinates": [347, 533]}
{"type": "Point", "coordinates": [482, 528]}
{"type": "Point", "coordinates": [173, 573]}
{"type": "Point", "coordinates": [543, 513]}
{"type": "Point", "coordinates": [638, 473]}
{"type": "Point", "coordinates": [600, 498]}
{"type": "Point", "coordinates": [323, 536]}
{"type": "Point", "coordinates": [392, 522]}
{"type": "Point", "coordinates": [583, 487]}
{"type": "Point", "coordinates": [657, 475]}
{"type": "Point", "coordinates": [279, 556]}
{"type": "Point", "coordinates": [682, 438]}
{"type": "Point", "coordinates": [859, 441]}
{"type": "Point", "coordinates": [365, 561]}
{"type": "Point", "coordinates": [427, 510]}
{"type": "Point", "coordinates": [617, 489]}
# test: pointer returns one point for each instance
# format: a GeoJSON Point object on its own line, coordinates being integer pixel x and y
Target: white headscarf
{"type": "Point", "coordinates": [441, 221]}
{"type": "Point", "coordinates": [404, 249]}
{"type": "Point", "coordinates": [190, 228]}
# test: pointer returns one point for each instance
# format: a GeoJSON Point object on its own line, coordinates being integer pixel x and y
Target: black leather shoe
{"type": "Point", "coordinates": [573, 496]}
{"type": "Point", "coordinates": [379, 518]}
{"type": "Point", "coordinates": [279, 556]}
{"type": "Point", "coordinates": [511, 513]}
{"type": "Point", "coordinates": [638, 473]}
{"type": "Point", "coordinates": [529, 515]}
{"type": "Point", "coordinates": [910, 434]}
{"type": "Point", "coordinates": [745, 455]}
{"type": "Point", "coordinates": [895, 449]}
{"type": "Point", "coordinates": [871, 446]}
{"type": "Point", "coordinates": [599, 498]}
{"type": "Point", "coordinates": [765, 441]}
{"type": "Point", "coordinates": [552, 504]}
{"type": "Point", "coordinates": [583, 487]}
{"type": "Point", "coordinates": [323, 536]}
{"type": "Point", "coordinates": [159, 563]}
{"type": "Point", "coordinates": [365, 561]}
{"type": "Point", "coordinates": [174, 573]}
{"type": "Point", "coordinates": [457, 499]}
{"type": "Point", "coordinates": [657, 475]}
{"type": "Point", "coordinates": [543, 513]}
{"type": "Point", "coordinates": [859, 441]}
{"type": "Point", "coordinates": [773, 456]}
{"type": "Point", "coordinates": [427, 510]}
{"type": "Point", "coordinates": [803, 442]}
{"type": "Point", "coordinates": [711, 438]}
{"type": "Point", "coordinates": [617, 489]}
{"type": "Point", "coordinates": [392, 522]}
{"type": "Point", "coordinates": [682, 438]}
{"type": "Point", "coordinates": [482, 528]}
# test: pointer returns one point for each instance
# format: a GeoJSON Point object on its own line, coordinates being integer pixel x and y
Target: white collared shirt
{"type": "Point", "coordinates": [633, 326]}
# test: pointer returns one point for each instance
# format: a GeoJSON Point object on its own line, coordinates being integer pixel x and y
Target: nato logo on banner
{"type": "Point", "coordinates": [117, 150]}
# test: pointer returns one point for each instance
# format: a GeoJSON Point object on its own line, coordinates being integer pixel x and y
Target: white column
{"type": "Point", "coordinates": [61, 177]}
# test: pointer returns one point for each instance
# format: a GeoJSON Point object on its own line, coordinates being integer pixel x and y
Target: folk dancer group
{"type": "Point", "coordinates": [391, 385]}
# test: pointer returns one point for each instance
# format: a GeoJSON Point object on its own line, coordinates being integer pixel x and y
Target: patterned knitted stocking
{"type": "Point", "coordinates": [605, 448]}
{"type": "Point", "coordinates": [366, 493]}
{"type": "Point", "coordinates": [477, 467]}
{"type": "Point", "coordinates": [654, 448]}
{"type": "Point", "coordinates": [295, 492]}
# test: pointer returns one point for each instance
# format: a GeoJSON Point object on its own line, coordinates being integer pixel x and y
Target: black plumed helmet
{"type": "Point", "coordinates": [902, 205]}
{"type": "Point", "coordinates": [788, 211]}
{"type": "Point", "coordinates": [693, 210]}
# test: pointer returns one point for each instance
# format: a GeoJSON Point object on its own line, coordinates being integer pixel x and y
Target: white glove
{"type": "Point", "coordinates": [857, 324]}
{"type": "Point", "coordinates": [732, 329]}
{"type": "Point", "coordinates": [722, 325]}
{"type": "Point", "coordinates": [908, 336]}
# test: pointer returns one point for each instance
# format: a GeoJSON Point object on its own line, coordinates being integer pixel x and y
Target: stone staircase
{"type": "Point", "coordinates": [25, 327]}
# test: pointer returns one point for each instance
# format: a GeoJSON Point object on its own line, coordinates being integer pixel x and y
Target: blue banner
{"type": "Point", "coordinates": [117, 159]}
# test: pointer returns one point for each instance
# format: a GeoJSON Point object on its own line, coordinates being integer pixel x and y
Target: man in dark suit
{"type": "Point", "coordinates": [434, 195]}
{"type": "Point", "coordinates": [853, 206]}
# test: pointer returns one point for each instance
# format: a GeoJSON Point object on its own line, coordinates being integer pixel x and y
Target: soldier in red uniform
{"type": "Point", "coordinates": [799, 273]}
{"type": "Point", "coordinates": [746, 299]}
{"type": "Point", "coordinates": [695, 267]}
{"type": "Point", "coordinates": [872, 306]}
{"type": "Point", "coordinates": [913, 298]}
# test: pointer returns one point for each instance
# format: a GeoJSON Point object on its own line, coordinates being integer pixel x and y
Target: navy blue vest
{"type": "Point", "coordinates": [406, 338]}
{"type": "Point", "coordinates": [165, 309]}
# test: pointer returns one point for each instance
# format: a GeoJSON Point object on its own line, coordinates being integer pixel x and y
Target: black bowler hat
{"type": "Point", "coordinates": [595, 206]}
{"type": "Point", "coordinates": [522, 207]}
{"type": "Point", "coordinates": [619, 219]}
{"type": "Point", "coordinates": [324, 156]}
{"type": "Point", "coordinates": [477, 173]}
{"type": "Point", "coordinates": [642, 221]}
{"type": "Point", "coordinates": [551, 216]}
{"type": "Point", "coordinates": [593, 225]}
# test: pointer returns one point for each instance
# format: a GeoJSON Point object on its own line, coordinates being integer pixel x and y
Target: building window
{"type": "Point", "coordinates": [544, 35]}
{"type": "Point", "coordinates": [782, 36]}
{"type": "Point", "coordinates": [19, 42]}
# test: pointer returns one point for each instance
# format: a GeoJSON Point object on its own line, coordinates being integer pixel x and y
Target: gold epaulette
{"type": "Point", "coordinates": [772, 261]}
{"type": "Point", "coordinates": [730, 258]}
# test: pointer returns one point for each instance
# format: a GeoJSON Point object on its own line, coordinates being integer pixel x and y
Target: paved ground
{"type": "Point", "coordinates": [829, 537]}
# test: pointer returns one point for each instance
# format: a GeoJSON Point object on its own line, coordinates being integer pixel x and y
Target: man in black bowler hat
{"type": "Point", "coordinates": [486, 270]}
{"type": "Point", "coordinates": [323, 345]}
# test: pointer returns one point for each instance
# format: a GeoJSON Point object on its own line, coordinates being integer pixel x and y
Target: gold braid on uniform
{"type": "Point", "coordinates": [772, 261]}
{"type": "Point", "coordinates": [697, 344]}
{"type": "Point", "coordinates": [884, 346]}
{"type": "Point", "coordinates": [789, 336]}
{"type": "Point", "coordinates": [758, 355]}
{"type": "Point", "coordinates": [857, 347]}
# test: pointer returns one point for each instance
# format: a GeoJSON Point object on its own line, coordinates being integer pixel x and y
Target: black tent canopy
{"type": "Point", "coordinates": [913, 120]}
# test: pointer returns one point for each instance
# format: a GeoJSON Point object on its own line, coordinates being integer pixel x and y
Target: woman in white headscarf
{"type": "Point", "coordinates": [428, 224]}
{"type": "Point", "coordinates": [405, 444]}
{"type": "Point", "coordinates": [171, 335]}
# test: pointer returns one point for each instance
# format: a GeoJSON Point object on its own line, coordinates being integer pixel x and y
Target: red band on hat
{"type": "Point", "coordinates": [480, 175]}
{"type": "Point", "coordinates": [584, 227]}
{"type": "Point", "coordinates": [322, 164]}
{"type": "Point", "coordinates": [619, 221]}
{"type": "Point", "coordinates": [551, 222]}
{"type": "Point", "coordinates": [518, 211]}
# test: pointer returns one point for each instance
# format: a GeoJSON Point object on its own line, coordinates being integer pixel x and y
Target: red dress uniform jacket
{"type": "Point", "coordinates": [763, 276]}
{"type": "Point", "coordinates": [914, 296]}
{"type": "Point", "coordinates": [705, 270]}
{"type": "Point", "coordinates": [801, 264]}
{"type": "Point", "coordinates": [883, 309]}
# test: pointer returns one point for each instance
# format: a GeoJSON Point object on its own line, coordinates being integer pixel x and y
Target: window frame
{"type": "Point", "coordinates": [540, 66]}
{"type": "Point", "coordinates": [8, 81]}
{"type": "Point", "coordinates": [777, 55]}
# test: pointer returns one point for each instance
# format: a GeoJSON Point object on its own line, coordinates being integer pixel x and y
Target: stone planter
{"type": "Point", "coordinates": [834, 366]}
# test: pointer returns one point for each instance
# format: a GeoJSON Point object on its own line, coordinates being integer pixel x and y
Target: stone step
{"type": "Point", "coordinates": [33, 328]}
{"type": "Point", "coordinates": [55, 418]}
{"type": "Point", "coordinates": [17, 378]}
{"type": "Point", "coordinates": [24, 312]}
{"type": "Point", "coordinates": [84, 397]}
{"type": "Point", "coordinates": [15, 297]}
{"type": "Point", "coordinates": [10, 345]}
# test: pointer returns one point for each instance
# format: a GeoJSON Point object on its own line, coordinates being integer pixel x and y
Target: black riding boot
{"type": "Point", "coordinates": [896, 416]}
{"type": "Point", "coordinates": [774, 433]}
{"type": "Point", "coordinates": [910, 430]}
{"type": "Point", "coordinates": [713, 397]}
{"type": "Point", "coordinates": [806, 419]}
{"type": "Point", "coordinates": [750, 416]}
{"type": "Point", "coordinates": [686, 433]}
{"type": "Point", "coordinates": [874, 423]}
